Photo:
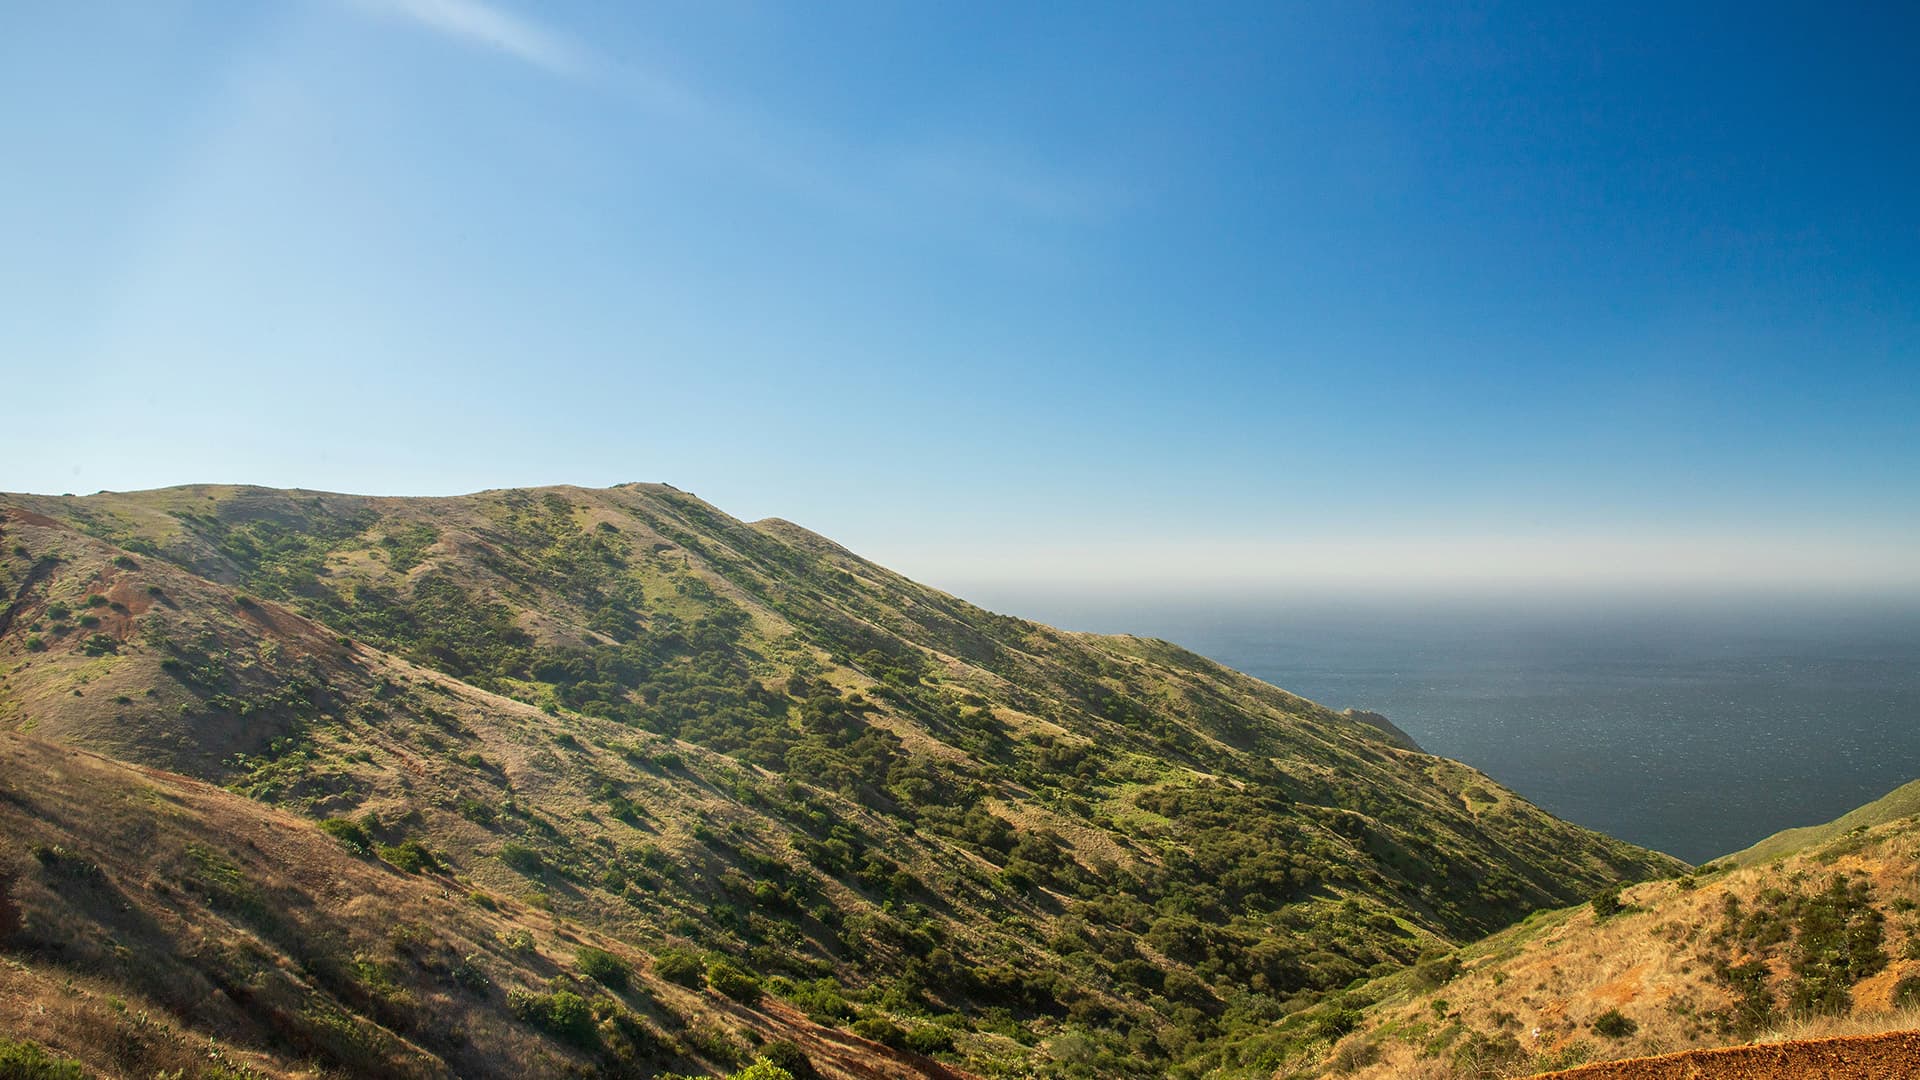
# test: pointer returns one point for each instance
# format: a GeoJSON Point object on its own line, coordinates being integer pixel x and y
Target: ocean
{"type": "Point", "coordinates": [1694, 726]}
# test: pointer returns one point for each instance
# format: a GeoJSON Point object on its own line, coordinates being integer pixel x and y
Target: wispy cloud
{"type": "Point", "coordinates": [489, 27]}
{"type": "Point", "coordinates": [993, 194]}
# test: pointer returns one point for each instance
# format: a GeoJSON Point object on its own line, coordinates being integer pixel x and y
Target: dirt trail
{"type": "Point", "coordinates": [1889, 1056]}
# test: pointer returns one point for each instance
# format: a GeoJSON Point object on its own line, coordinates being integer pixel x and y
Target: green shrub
{"type": "Point", "coordinates": [1438, 970]}
{"type": "Point", "coordinates": [349, 833]}
{"type": "Point", "coordinates": [1906, 992]}
{"type": "Point", "coordinates": [733, 982]}
{"type": "Point", "coordinates": [99, 645]}
{"type": "Point", "coordinates": [20, 1060]}
{"type": "Point", "coordinates": [1613, 1025]}
{"type": "Point", "coordinates": [680, 966]}
{"type": "Point", "coordinates": [783, 1054]}
{"type": "Point", "coordinates": [881, 1030]}
{"type": "Point", "coordinates": [763, 1070]}
{"type": "Point", "coordinates": [930, 1039]}
{"type": "Point", "coordinates": [1607, 904]}
{"type": "Point", "coordinates": [522, 858]}
{"type": "Point", "coordinates": [410, 855]}
{"type": "Point", "coordinates": [88, 621]}
{"type": "Point", "coordinates": [470, 974]}
{"type": "Point", "coordinates": [602, 967]}
{"type": "Point", "coordinates": [563, 1014]}
{"type": "Point", "coordinates": [96, 600]}
{"type": "Point", "coordinates": [36, 643]}
{"type": "Point", "coordinates": [58, 611]}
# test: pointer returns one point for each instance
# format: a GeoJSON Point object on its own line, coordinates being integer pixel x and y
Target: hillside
{"type": "Point", "coordinates": [811, 782]}
{"type": "Point", "coordinates": [1824, 942]}
{"type": "Point", "coordinates": [1901, 802]}
{"type": "Point", "coordinates": [155, 923]}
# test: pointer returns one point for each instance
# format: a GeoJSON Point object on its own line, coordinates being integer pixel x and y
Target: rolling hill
{"type": "Point", "coordinates": [791, 795]}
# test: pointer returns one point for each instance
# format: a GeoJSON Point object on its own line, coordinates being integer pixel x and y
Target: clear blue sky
{"type": "Point", "coordinates": [1107, 290]}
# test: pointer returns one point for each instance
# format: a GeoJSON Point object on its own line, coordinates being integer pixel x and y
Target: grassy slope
{"type": "Point", "coordinates": [1763, 952]}
{"type": "Point", "coordinates": [1080, 852]}
{"type": "Point", "coordinates": [1903, 801]}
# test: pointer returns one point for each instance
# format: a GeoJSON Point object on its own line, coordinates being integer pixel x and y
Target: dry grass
{"type": "Point", "coordinates": [1544, 983]}
{"type": "Point", "coordinates": [1799, 1028]}
{"type": "Point", "coordinates": [166, 921]}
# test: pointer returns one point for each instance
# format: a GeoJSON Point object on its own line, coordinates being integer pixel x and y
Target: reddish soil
{"type": "Point", "coordinates": [1889, 1056]}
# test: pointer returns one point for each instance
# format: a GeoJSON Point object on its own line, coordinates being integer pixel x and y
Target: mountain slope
{"type": "Point", "coordinates": [1040, 849]}
{"type": "Point", "coordinates": [164, 924]}
{"type": "Point", "coordinates": [1903, 801]}
{"type": "Point", "coordinates": [1822, 942]}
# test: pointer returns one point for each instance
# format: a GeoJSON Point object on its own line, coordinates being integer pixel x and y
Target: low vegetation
{"type": "Point", "coordinates": [737, 765]}
{"type": "Point", "coordinates": [1824, 942]}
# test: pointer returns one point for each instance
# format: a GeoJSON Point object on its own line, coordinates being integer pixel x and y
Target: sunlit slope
{"type": "Point", "coordinates": [1822, 942]}
{"type": "Point", "coordinates": [691, 732]}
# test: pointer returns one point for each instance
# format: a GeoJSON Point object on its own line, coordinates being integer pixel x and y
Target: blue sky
{"type": "Point", "coordinates": [1106, 292]}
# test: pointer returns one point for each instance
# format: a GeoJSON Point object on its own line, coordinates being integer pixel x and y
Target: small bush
{"type": "Point", "coordinates": [1906, 992]}
{"type": "Point", "coordinates": [96, 600]}
{"type": "Point", "coordinates": [763, 1070]}
{"type": "Point", "coordinates": [930, 1039]}
{"type": "Point", "coordinates": [89, 621]}
{"type": "Point", "coordinates": [881, 1030]}
{"type": "Point", "coordinates": [99, 645]}
{"type": "Point", "coordinates": [680, 966]}
{"type": "Point", "coordinates": [36, 643]}
{"type": "Point", "coordinates": [602, 967]}
{"type": "Point", "coordinates": [1438, 970]}
{"type": "Point", "coordinates": [1613, 1025]}
{"type": "Point", "coordinates": [21, 1060]}
{"type": "Point", "coordinates": [469, 974]}
{"type": "Point", "coordinates": [58, 611]}
{"type": "Point", "coordinates": [563, 1014]}
{"type": "Point", "coordinates": [733, 982]}
{"type": "Point", "coordinates": [1607, 904]}
{"type": "Point", "coordinates": [783, 1054]}
{"type": "Point", "coordinates": [411, 856]}
{"type": "Point", "coordinates": [349, 833]}
{"type": "Point", "coordinates": [522, 858]}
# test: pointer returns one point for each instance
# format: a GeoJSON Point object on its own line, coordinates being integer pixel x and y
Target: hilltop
{"type": "Point", "coordinates": [737, 757]}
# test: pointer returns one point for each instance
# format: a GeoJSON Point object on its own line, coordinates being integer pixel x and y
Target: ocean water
{"type": "Point", "coordinates": [1695, 726]}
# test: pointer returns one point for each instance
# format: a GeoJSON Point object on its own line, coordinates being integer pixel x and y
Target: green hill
{"type": "Point", "coordinates": [842, 793]}
{"type": "Point", "coordinates": [1901, 802]}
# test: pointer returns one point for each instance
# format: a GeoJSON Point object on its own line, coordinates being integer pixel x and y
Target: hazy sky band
{"type": "Point", "coordinates": [1303, 293]}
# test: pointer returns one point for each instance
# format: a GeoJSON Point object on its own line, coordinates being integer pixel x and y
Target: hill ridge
{"type": "Point", "coordinates": [702, 734]}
